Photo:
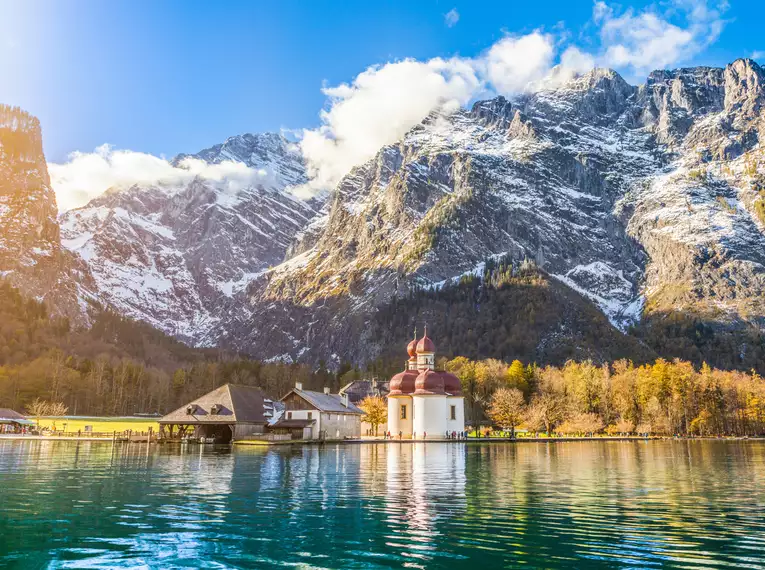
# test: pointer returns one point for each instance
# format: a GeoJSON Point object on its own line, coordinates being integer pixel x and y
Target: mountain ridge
{"type": "Point", "coordinates": [648, 201]}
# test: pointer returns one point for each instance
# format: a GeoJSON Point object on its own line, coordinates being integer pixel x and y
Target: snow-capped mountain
{"type": "Point", "coordinates": [171, 254]}
{"type": "Point", "coordinates": [647, 201]}
{"type": "Point", "coordinates": [643, 199]}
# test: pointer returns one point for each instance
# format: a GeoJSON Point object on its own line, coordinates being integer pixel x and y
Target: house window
{"type": "Point", "coordinates": [87, 428]}
{"type": "Point", "coordinates": [289, 415]}
{"type": "Point", "coordinates": [310, 415]}
{"type": "Point", "coordinates": [403, 412]}
{"type": "Point", "coordinates": [454, 412]}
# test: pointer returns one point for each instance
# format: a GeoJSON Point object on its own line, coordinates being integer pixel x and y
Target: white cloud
{"type": "Point", "coordinates": [384, 101]}
{"type": "Point", "coordinates": [88, 175]}
{"type": "Point", "coordinates": [378, 107]}
{"type": "Point", "coordinates": [513, 63]}
{"type": "Point", "coordinates": [757, 54]}
{"type": "Point", "coordinates": [642, 42]}
{"type": "Point", "coordinates": [451, 18]}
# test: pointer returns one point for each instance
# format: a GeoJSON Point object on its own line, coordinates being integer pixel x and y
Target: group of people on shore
{"type": "Point", "coordinates": [447, 435]}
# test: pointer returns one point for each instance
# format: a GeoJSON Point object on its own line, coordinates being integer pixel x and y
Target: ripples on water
{"type": "Point", "coordinates": [569, 505]}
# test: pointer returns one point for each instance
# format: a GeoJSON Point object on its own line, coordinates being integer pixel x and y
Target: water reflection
{"type": "Point", "coordinates": [602, 504]}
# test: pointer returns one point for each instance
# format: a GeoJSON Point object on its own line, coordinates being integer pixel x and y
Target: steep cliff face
{"type": "Point", "coordinates": [643, 199]}
{"type": "Point", "coordinates": [171, 255]}
{"type": "Point", "coordinates": [31, 256]}
{"type": "Point", "coordinates": [700, 218]}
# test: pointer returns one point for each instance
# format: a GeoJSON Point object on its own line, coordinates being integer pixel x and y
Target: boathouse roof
{"type": "Point", "coordinates": [231, 403]}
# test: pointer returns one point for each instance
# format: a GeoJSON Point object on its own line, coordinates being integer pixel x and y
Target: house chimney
{"type": "Point", "coordinates": [326, 389]}
{"type": "Point", "coordinates": [298, 385]}
{"type": "Point", "coordinates": [345, 400]}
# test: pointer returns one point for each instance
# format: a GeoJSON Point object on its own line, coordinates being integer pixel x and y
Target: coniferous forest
{"type": "Point", "coordinates": [118, 366]}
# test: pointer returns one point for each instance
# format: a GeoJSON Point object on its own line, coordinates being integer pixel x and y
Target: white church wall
{"type": "Point", "coordinates": [458, 423]}
{"type": "Point", "coordinates": [426, 360]}
{"type": "Point", "coordinates": [429, 416]}
{"type": "Point", "coordinates": [395, 422]}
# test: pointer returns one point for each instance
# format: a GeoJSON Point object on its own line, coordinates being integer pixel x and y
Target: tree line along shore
{"type": "Point", "coordinates": [120, 367]}
{"type": "Point", "coordinates": [578, 399]}
{"type": "Point", "coordinates": [664, 398]}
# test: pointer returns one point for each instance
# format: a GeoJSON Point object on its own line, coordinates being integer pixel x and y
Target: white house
{"type": "Point", "coordinates": [329, 416]}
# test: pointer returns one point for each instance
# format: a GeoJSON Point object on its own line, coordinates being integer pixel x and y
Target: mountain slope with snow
{"type": "Point", "coordinates": [171, 254]}
{"type": "Point", "coordinates": [643, 199]}
{"type": "Point", "coordinates": [646, 202]}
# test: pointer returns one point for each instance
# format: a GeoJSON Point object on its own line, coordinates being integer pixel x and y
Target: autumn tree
{"type": "Point", "coordinates": [620, 427]}
{"type": "Point", "coordinates": [38, 408]}
{"type": "Point", "coordinates": [507, 408]}
{"type": "Point", "coordinates": [581, 424]}
{"type": "Point", "coordinates": [517, 376]}
{"type": "Point", "coordinates": [57, 409]}
{"type": "Point", "coordinates": [375, 411]}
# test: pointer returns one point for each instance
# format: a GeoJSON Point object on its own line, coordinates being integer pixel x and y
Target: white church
{"type": "Point", "coordinates": [424, 403]}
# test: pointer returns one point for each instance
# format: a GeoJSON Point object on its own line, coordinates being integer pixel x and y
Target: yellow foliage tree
{"type": "Point", "coordinates": [507, 408]}
{"type": "Point", "coordinates": [375, 411]}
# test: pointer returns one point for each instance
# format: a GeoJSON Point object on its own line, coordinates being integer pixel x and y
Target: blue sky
{"type": "Point", "coordinates": [151, 79]}
{"type": "Point", "coordinates": [167, 76]}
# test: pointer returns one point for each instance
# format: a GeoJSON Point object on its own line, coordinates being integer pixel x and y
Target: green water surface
{"type": "Point", "coordinates": [654, 504]}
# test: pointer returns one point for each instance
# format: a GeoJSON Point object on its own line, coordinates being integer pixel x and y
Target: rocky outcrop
{"type": "Point", "coordinates": [31, 256]}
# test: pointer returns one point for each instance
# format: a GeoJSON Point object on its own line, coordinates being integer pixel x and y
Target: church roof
{"type": "Point", "coordinates": [403, 382]}
{"type": "Point", "coordinates": [425, 345]}
{"type": "Point", "coordinates": [429, 382]}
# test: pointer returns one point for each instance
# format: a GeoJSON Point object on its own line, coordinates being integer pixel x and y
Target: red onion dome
{"type": "Point", "coordinates": [429, 382]}
{"type": "Point", "coordinates": [425, 345]}
{"type": "Point", "coordinates": [403, 383]}
{"type": "Point", "coordinates": [452, 384]}
{"type": "Point", "coordinates": [411, 348]}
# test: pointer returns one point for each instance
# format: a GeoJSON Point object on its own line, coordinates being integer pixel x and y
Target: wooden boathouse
{"type": "Point", "coordinates": [227, 413]}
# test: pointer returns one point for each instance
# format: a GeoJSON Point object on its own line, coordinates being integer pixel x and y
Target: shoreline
{"type": "Point", "coordinates": [367, 441]}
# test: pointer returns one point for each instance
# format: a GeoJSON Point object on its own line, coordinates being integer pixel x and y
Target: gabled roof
{"type": "Point", "coordinates": [357, 390]}
{"type": "Point", "coordinates": [326, 402]}
{"type": "Point", "coordinates": [238, 404]}
{"type": "Point", "coordinates": [9, 416]}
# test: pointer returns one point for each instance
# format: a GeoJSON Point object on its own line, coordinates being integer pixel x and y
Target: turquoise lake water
{"type": "Point", "coordinates": [657, 504]}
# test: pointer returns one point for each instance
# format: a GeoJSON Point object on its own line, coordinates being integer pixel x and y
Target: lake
{"type": "Point", "coordinates": [694, 504]}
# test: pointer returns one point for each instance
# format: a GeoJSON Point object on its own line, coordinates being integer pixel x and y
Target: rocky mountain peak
{"type": "Point", "coordinates": [744, 88]}
{"type": "Point", "coordinates": [495, 112]}
{"type": "Point", "coordinates": [173, 256]}
{"type": "Point", "coordinates": [641, 201]}
{"type": "Point", "coordinates": [596, 97]}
